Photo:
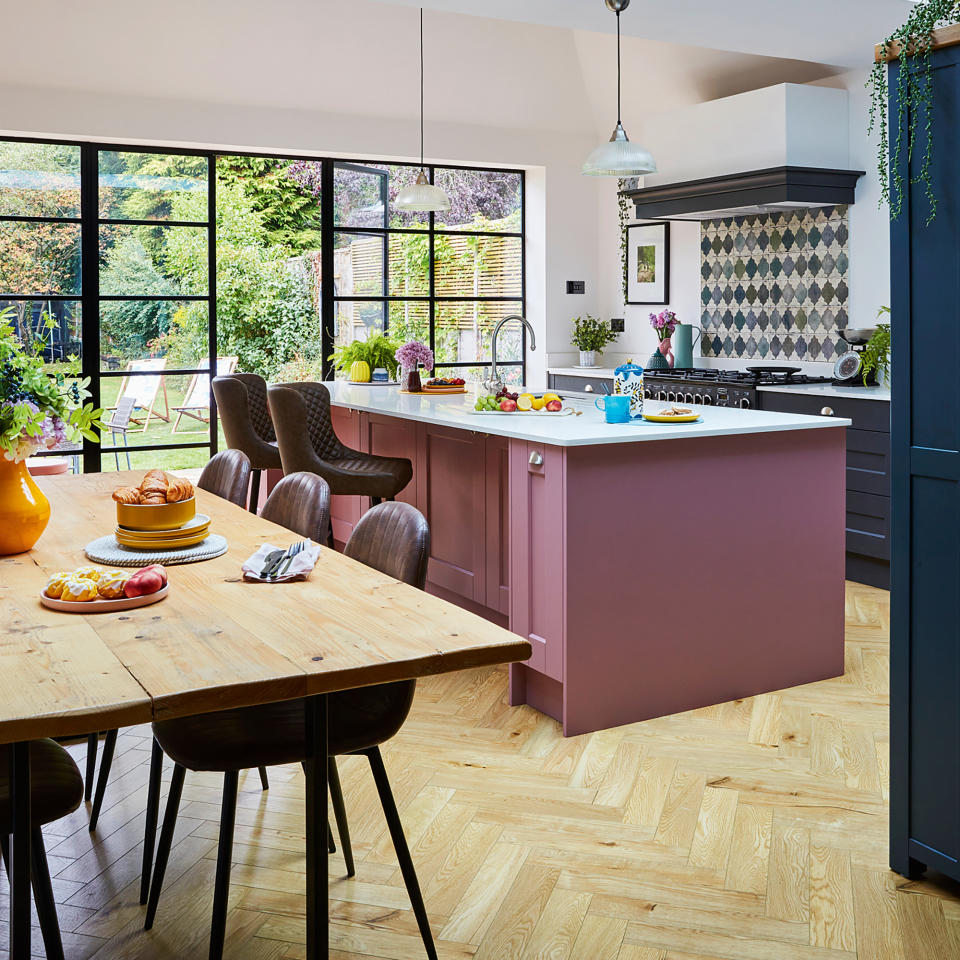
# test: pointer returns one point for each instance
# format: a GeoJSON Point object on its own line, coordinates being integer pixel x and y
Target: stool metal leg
{"type": "Point", "coordinates": [166, 842]}
{"type": "Point", "coordinates": [340, 813]}
{"type": "Point", "coordinates": [264, 782]}
{"type": "Point", "coordinates": [109, 745]}
{"type": "Point", "coordinates": [221, 886]}
{"type": "Point", "coordinates": [150, 825]}
{"type": "Point", "coordinates": [255, 492]}
{"type": "Point", "coordinates": [43, 897]}
{"type": "Point", "coordinates": [92, 741]}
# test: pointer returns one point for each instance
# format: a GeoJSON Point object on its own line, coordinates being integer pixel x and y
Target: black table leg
{"type": "Point", "coordinates": [20, 850]}
{"type": "Point", "coordinates": [315, 768]}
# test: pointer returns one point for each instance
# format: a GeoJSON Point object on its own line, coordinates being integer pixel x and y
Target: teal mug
{"type": "Point", "coordinates": [616, 407]}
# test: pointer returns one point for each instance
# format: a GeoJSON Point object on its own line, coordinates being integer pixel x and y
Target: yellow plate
{"type": "Point", "coordinates": [200, 522]}
{"type": "Point", "coordinates": [659, 418]}
{"type": "Point", "coordinates": [126, 540]}
{"type": "Point", "coordinates": [161, 516]}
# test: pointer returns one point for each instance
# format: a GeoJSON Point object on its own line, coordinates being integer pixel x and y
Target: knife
{"type": "Point", "coordinates": [273, 559]}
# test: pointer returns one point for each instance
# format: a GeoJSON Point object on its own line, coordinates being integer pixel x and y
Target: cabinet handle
{"type": "Point", "coordinates": [536, 459]}
{"type": "Point", "coordinates": [588, 388]}
{"type": "Point", "coordinates": [826, 412]}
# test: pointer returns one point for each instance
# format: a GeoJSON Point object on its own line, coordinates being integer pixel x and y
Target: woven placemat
{"type": "Point", "coordinates": [107, 550]}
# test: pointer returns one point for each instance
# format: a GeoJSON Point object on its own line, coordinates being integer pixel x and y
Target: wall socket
{"type": "Point", "coordinates": [576, 286]}
{"type": "Point", "coordinates": [616, 324]}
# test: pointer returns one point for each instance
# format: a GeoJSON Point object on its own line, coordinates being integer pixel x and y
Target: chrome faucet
{"type": "Point", "coordinates": [494, 384]}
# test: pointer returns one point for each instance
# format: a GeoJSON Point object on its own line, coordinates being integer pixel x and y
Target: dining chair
{"type": "Point", "coordinates": [56, 789]}
{"type": "Point", "coordinates": [307, 441]}
{"type": "Point", "coordinates": [395, 539]}
{"type": "Point", "coordinates": [226, 475]}
{"type": "Point", "coordinates": [245, 417]}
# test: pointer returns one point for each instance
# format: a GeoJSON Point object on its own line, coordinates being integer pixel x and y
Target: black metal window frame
{"type": "Point", "coordinates": [90, 296]}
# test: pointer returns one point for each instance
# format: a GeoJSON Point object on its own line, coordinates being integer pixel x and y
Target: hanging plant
{"type": "Point", "coordinates": [623, 206]}
{"type": "Point", "coordinates": [913, 44]}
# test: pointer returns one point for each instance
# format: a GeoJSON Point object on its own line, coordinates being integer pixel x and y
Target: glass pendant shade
{"type": "Point", "coordinates": [422, 197]}
{"type": "Point", "coordinates": [619, 158]}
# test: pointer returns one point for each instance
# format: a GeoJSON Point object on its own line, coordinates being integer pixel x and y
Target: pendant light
{"type": "Point", "coordinates": [619, 157]}
{"type": "Point", "coordinates": [422, 196]}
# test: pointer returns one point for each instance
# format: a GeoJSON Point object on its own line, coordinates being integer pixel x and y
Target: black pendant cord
{"type": "Point", "coordinates": [619, 118]}
{"type": "Point", "coordinates": [421, 90]}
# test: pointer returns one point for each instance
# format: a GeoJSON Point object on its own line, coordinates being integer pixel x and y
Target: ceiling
{"type": "Point", "coordinates": [836, 32]}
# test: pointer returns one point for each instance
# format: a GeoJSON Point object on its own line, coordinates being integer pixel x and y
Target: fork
{"type": "Point", "coordinates": [291, 553]}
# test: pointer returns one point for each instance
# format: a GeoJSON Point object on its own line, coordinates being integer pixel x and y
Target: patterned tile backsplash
{"type": "Point", "coordinates": [775, 286]}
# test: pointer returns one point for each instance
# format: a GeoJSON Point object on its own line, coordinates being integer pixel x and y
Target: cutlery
{"type": "Point", "coordinates": [291, 553]}
{"type": "Point", "coordinates": [273, 557]}
{"type": "Point", "coordinates": [271, 568]}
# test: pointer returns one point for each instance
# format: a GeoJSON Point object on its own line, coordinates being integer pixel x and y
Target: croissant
{"type": "Point", "coordinates": [153, 499]}
{"type": "Point", "coordinates": [126, 495]}
{"type": "Point", "coordinates": [179, 490]}
{"type": "Point", "coordinates": [158, 475]}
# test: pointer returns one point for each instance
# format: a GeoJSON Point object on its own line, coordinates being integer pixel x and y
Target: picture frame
{"type": "Point", "coordinates": [648, 263]}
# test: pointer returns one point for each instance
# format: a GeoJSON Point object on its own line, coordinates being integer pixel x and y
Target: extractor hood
{"type": "Point", "coordinates": [746, 194]}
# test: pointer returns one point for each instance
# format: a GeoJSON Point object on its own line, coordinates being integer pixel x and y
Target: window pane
{"type": "Point", "coordinates": [478, 266]}
{"type": "Point", "coordinates": [463, 331]}
{"type": "Point", "coordinates": [364, 195]}
{"type": "Point", "coordinates": [153, 261]}
{"type": "Point", "coordinates": [51, 326]}
{"type": "Point", "coordinates": [480, 200]}
{"type": "Point", "coordinates": [39, 180]}
{"type": "Point", "coordinates": [170, 334]}
{"type": "Point", "coordinates": [359, 264]}
{"type": "Point", "coordinates": [152, 186]}
{"type": "Point", "coordinates": [39, 258]}
{"type": "Point", "coordinates": [358, 319]}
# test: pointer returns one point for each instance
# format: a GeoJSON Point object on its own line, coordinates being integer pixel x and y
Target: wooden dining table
{"type": "Point", "coordinates": [215, 642]}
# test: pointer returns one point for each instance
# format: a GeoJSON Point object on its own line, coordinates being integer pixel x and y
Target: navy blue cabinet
{"type": "Point", "coordinates": [925, 520]}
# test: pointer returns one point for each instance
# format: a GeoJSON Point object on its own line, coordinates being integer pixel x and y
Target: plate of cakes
{"type": "Point", "coordinates": [93, 589]}
{"type": "Point", "coordinates": [159, 514]}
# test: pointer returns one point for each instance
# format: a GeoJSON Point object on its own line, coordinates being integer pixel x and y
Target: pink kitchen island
{"type": "Point", "coordinates": [654, 569]}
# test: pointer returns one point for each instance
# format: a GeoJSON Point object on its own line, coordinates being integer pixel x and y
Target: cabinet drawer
{"type": "Point", "coordinates": [868, 525]}
{"type": "Point", "coordinates": [865, 414]}
{"type": "Point", "coordinates": [579, 384]}
{"type": "Point", "coordinates": [868, 462]}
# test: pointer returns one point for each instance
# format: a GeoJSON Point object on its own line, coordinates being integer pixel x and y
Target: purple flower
{"type": "Point", "coordinates": [414, 352]}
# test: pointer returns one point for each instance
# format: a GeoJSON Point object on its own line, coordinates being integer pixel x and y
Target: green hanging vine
{"type": "Point", "coordinates": [623, 205]}
{"type": "Point", "coordinates": [913, 42]}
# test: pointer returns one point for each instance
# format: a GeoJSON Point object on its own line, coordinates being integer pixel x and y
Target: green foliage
{"type": "Point", "coordinates": [913, 42]}
{"type": "Point", "coordinates": [591, 333]}
{"type": "Point", "coordinates": [623, 210]}
{"type": "Point", "coordinates": [377, 351]}
{"type": "Point", "coordinates": [876, 354]}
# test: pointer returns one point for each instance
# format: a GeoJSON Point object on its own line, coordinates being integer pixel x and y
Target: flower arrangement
{"type": "Point", "coordinates": [39, 410]}
{"type": "Point", "coordinates": [664, 323]}
{"type": "Point", "coordinates": [412, 353]}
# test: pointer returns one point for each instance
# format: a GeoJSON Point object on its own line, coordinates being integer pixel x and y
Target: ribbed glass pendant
{"type": "Point", "coordinates": [619, 158]}
{"type": "Point", "coordinates": [422, 197]}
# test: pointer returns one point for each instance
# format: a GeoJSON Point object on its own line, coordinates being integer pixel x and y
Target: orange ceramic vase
{"type": "Point", "coordinates": [24, 510]}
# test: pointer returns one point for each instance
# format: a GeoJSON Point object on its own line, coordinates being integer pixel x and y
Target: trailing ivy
{"type": "Point", "coordinates": [913, 43]}
{"type": "Point", "coordinates": [623, 205]}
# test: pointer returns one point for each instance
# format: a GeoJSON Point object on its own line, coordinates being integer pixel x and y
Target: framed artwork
{"type": "Point", "coordinates": [648, 263]}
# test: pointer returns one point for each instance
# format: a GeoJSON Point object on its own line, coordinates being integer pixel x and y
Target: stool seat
{"type": "Point", "coordinates": [368, 475]}
{"type": "Point", "coordinates": [56, 786]}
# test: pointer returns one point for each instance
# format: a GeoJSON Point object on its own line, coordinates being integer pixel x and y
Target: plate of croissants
{"type": "Point", "coordinates": [160, 502]}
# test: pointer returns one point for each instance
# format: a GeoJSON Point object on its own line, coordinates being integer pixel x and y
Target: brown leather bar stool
{"type": "Point", "coordinates": [393, 538]}
{"type": "Point", "coordinates": [307, 441]}
{"type": "Point", "coordinates": [56, 789]}
{"type": "Point", "coordinates": [226, 475]}
{"type": "Point", "coordinates": [242, 408]}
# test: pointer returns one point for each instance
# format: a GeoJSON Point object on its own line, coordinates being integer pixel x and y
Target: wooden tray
{"type": "Point", "coordinates": [103, 606]}
{"type": "Point", "coordinates": [427, 389]}
{"type": "Point", "coordinates": [565, 412]}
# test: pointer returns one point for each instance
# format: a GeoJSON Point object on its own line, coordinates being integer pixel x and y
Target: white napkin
{"type": "Point", "coordinates": [301, 565]}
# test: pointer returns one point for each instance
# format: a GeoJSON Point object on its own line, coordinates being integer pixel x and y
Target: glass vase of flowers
{"type": "Point", "coordinates": [411, 356]}
{"type": "Point", "coordinates": [39, 410]}
{"type": "Point", "coordinates": [663, 323]}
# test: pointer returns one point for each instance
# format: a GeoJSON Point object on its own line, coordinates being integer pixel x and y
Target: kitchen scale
{"type": "Point", "coordinates": [848, 368]}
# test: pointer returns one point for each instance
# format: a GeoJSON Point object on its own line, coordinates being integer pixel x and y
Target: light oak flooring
{"type": "Point", "coordinates": [753, 830]}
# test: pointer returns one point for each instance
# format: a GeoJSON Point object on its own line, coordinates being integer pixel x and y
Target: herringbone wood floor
{"type": "Point", "coordinates": [753, 830]}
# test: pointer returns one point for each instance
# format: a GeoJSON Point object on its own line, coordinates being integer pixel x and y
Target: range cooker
{"type": "Point", "coordinates": [720, 388]}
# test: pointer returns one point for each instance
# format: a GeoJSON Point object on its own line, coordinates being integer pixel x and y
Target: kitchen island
{"type": "Point", "coordinates": [654, 568]}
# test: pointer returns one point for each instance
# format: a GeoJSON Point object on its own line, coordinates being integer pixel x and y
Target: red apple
{"type": "Point", "coordinates": [554, 406]}
{"type": "Point", "coordinates": [507, 405]}
{"type": "Point", "coordinates": [143, 583]}
{"type": "Point", "coordinates": [161, 569]}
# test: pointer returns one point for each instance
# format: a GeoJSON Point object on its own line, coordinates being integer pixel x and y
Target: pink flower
{"type": "Point", "coordinates": [414, 352]}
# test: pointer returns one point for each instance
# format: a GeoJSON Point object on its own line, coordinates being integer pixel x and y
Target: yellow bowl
{"type": "Point", "coordinates": [161, 516]}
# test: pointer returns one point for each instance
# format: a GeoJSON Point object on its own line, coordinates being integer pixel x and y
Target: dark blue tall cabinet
{"type": "Point", "coordinates": [925, 564]}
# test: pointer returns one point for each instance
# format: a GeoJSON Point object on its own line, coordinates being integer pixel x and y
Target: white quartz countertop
{"type": "Point", "coordinates": [833, 390]}
{"type": "Point", "coordinates": [602, 373]}
{"type": "Point", "coordinates": [566, 431]}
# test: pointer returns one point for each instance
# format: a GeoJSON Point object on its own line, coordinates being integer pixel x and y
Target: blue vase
{"type": "Point", "coordinates": [657, 361]}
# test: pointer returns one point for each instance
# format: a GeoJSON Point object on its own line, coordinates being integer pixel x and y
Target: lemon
{"type": "Point", "coordinates": [525, 402]}
{"type": "Point", "coordinates": [547, 397]}
{"type": "Point", "coordinates": [538, 403]}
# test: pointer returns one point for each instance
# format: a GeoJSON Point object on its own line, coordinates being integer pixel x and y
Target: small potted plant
{"type": "Point", "coordinates": [590, 336]}
{"type": "Point", "coordinates": [360, 357]}
{"type": "Point", "coordinates": [875, 357]}
{"type": "Point", "coordinates": [663, 323]}
{"type": "Point", "coordinates": [39, 410]}
{"type": "Point", "coordinates": [410, 356]}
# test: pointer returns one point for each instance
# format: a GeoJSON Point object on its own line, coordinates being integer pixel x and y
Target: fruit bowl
{"type": "Point", "coordinates": [160, 516]}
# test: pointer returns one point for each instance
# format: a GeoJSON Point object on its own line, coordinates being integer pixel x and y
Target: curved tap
{"type": "Point", "coordinates": [495, 382]}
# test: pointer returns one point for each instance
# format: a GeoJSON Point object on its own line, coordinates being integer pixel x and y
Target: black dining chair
{"type": "Point", "coordinates": [394, 538]}
{"type": "Point", "coordinates": [56, 789]}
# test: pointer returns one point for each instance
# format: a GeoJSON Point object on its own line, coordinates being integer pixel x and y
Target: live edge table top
{"type": "Point", "coordinates": [215, 642]}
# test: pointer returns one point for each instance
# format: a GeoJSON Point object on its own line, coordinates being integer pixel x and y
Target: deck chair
{"type": "Point", "coordinates": [144, 390]}
{"type": "Point", "coordinates": [196, 404]}
{"type": "Point", "coordinates": [119, 425]}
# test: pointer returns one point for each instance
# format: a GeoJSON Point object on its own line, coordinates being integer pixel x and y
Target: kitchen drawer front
{"type": "Point", "coordinates": [865, 414]}
{"type": "Point", "coordinates": [868, 525]}
{"type": "Point", "coordinates": [868, 462]}
{"type": "Point", "coordinates": [559, 381]}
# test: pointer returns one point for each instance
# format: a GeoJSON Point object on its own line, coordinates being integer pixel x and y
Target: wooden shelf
{"type": "Point", "coordinates": [948, 36]}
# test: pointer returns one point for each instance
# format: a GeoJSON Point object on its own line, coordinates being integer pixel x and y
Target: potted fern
{"type": "Point", "coordinates": [375, 351]}
{"type": "Point", "coordinates": [590, 336]}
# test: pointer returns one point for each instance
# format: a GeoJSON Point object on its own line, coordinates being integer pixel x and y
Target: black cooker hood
{"type": "Point", "coordinates": [746, 194]}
